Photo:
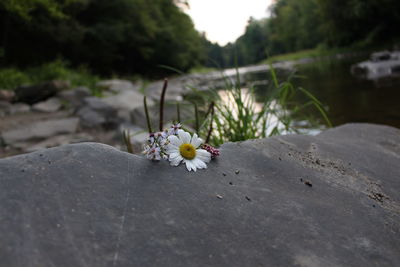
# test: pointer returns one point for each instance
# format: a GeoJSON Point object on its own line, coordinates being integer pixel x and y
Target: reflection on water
{"type": "Point", "coordinates": [275, 116]}
{"type": "Point", "coordinates": [272, 119]}
{"type": "Point", "coordinates": [347, 98]}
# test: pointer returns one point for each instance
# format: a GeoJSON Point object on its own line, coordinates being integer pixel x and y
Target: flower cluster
{"type": "Point", "coordinates": [155, 147]}
{"type": "Point", "coordinates": [212, 150]}
{"type": "Point", "coordinates": [177, 145]}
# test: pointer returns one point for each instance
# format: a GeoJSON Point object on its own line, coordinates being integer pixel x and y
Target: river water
{"type": "Point", "coordinates": [346, 97]}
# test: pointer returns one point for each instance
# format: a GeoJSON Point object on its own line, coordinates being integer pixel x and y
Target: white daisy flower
{"type": "Point", "coordinates": [185, 148]}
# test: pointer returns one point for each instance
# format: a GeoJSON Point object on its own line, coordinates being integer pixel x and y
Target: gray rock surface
{"type": "Point", "coordinates": [52, 104]}
{"type": "Point", "coordinates": [6, 95]}
{"type": "Point", "coordinates": [32, 94]}
{"type": "Point", "coordinates": [40, 130]}
{"type": "Point", "coordinates": [19, 108]}
{"type": "Point", "coordinates": [138, 115]}
{"type": "Point", "coordinates": [176, 88]}
{"type": "Point", "coordinates": [117, 85]}
{"type": "Point", "coordinates": [95, 113]}
{"type": "Point", "coordinates": [126, 101]}
{"type": "Point", "coordinates": [59, 140]}
{"type": "Point", "coordinates": [327, 200]}
{"type": "Point", "coordinates": [138, 136]}
{"type": "Point", "coordinates": [4, 108]}
{"type": "Point", "coordinates": [75, 96]}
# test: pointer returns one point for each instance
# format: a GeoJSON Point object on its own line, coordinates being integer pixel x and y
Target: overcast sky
{"type": "Point", "coordinates": [225, 20]}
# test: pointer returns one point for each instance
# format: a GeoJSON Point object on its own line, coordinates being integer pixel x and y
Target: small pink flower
{"type": "Point", "coordinates": [212, 150]}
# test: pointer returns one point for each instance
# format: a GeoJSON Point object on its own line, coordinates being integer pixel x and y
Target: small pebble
{"type": "Point", "coordinates": [230, 183]}
{"type": "Point", "coordinates": [224, 174]}
{"type": "Point", "coordinates": [219, 196]}
{"type": "Point", "coordinates": [237, 171]}
{"type": "Point", "coordinates": [248, 199]}
{"type": "Point", "coordinates": [308, 183]}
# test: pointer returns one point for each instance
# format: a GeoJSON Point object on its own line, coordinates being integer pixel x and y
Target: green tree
{"type": "Point", "coordinates": [119, 36]}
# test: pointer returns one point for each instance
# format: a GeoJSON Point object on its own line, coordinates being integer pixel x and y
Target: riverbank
{"type": "Point", "coordinates": [101, 112]}
{"type": "Point", "coordinates": [320, 52]}
{"type": "Point", "coordinates": [309, 53]}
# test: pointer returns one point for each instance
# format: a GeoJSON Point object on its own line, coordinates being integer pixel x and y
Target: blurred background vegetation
{"type": "Point", "coordinates": [321, 25]}
{"type": "Point", "coordinates": [134, 37]}
{"type": "Point", "coordinates": [108, 37]}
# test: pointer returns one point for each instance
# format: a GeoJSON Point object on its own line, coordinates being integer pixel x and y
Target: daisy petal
{"type": "Point", "coordinates": [196, 141]}
{"type": "Point", "coordinates": [199, 164]}
{"type": "Point", "coordinates": [203, 155]}
{"type": "Point", "coordinates": [174, 155]}
{"type": "Point", "coordinates": [191, 165]}
{"type": "Point", "coordinates": [176, 161]}
{"type": "Point", "coordinates": [172, 149]}
{"type": "Point", "coordinates": [184, 137]}
{"type": "Point", "coordinates": [174, 140]}
{"type": "Point", "coordinates": [188, 165]}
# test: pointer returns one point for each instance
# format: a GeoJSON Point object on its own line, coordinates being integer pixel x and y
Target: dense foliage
{"type": "Point", "coordinates": [138, 36]}
{"type": "Point", "coordinates": [119, 36]}
{"type": "Point", "coordinates": [304, 24]}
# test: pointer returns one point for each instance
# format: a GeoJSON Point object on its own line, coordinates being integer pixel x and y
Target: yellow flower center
{"type": "Point", "coordinates": [187, 151]}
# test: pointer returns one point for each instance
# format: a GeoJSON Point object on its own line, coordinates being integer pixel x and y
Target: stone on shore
{"type": "Point", "coordinates": [76, 96]}
{"type": "Point", "coordinates": [19, 108]}
{"type": "Point", "coordinates": [6, 95]}
{"type": "Point", "coordinates": [40, 130]}
{"type": "Point", "coordinates": [176, 88]}
{"type": "Point", "coordinates": [117, 85]}
{"type": "Point", "coordinates": [95, 113]}
{"type": "Point", "coordinates": [52, 104]}
{"type": "Point", "coordinates": [126, 101]}
{"type": "Point", "coordinates": [59, 140]}
{"type": "Point", "coordinates": [32, 94]}
{"type": "Point", "coordinates": [7, 108]}
{"type": "Point", "coordinates": [138, 136]}
{"type": "Point", "coordinates": [4, 108]}
{"type": "Point", "coordinates": [326, 200]}
{"type": "Point", "coordinates": [138, 115]}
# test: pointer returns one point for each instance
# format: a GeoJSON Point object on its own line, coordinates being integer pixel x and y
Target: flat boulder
{"type": "Point", "coordinates": [32, 94]}
{"type": "Point", "coordinates": [75, 97]}
{"type": "Point", "coordinates": [126, 101]}
{"type": "Point", "coordinates": [4, 108]}
{"type": "Point", "coordinates": [138, 115]}
{"type": "Point", "coordinates": [326, 200]}
{"type": "Point", "coordinates": [52, 104]}
{"type": "Point", "coordinates": [176, 88]}
{"type": "Point", "coordinates": [40, 130]}
{"type": "Point", "coordinates": [95, 113]}
{"type": "Point", "coordinates": [117, 85]}
{"type": "Point", "coordinates": [59, 140]}
{"type": "Point", "coordinates": [19, 108]}
{"type": "Point", "coordinates": [6, 95]}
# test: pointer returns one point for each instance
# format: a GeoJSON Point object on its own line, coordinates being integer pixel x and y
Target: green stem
{"type": "Point", "coordinates": [146, 111]}
{"type": "Point", "coordinates": [211, 123]}
{"type": "Point", "coordinates": [178, 112]}
{"type": "Point", "coordinates": [196, 114]}
{"type": "Point", "coordinates": [127, 141]}
{"type": "Point", "coordinates": [162, 100]}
